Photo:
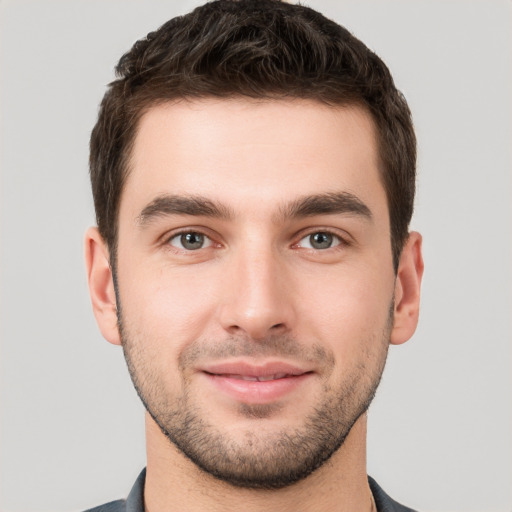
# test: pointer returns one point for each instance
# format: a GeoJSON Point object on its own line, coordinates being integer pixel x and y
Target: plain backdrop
{"type": "Point", "coordinates": [440, 428]}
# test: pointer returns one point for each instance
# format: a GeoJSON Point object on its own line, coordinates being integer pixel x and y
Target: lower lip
{"type": "Point", "coordinates": [257, 392]}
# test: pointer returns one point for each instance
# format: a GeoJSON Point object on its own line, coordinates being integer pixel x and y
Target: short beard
{"type": "Point", "coordinates": [263, 459]}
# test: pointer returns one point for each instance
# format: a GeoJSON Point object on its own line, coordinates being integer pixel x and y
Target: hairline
{"type": "Point", "coordinates": [146, 105]}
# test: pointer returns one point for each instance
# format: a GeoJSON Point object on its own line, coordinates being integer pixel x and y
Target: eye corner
{"type": "Point", "coordinates": [188, 240]}
{"type": "Point", "coordinates": [320, 240]}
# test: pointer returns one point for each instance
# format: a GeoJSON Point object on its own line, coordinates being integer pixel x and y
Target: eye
{"type": "Point", "coordinates": [320, 240]}
{"type": "Point", "coordinates": [190, 241]}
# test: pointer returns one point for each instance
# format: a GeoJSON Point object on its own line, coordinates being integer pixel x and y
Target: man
{"type": "Point", "coordinates": [253, 171]}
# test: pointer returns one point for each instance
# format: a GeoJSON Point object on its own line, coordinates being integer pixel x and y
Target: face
{"type": "Point", "coordinates": [255, 283]}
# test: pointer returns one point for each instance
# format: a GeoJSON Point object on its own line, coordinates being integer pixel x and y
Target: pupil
{"type": "Point", "coordinates": [321, 240]}
{"type": "Point", "coordinates": [192, 240]}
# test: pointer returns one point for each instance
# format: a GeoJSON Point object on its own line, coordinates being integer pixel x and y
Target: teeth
{"type": "Point", "coordinates": [272, 377]}
{"type": "Point", "coordinates": [263, 378]}
{"type": "Point", "coordinates": [242, 377]}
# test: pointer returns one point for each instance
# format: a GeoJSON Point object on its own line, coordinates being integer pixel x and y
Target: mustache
{"type": "Point", "coordinates": [273, 346]}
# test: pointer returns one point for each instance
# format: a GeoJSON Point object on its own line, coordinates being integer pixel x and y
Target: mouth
{"type": "Point", "coordinates": [254, 378]}
{"type": "Point", "coordinates": [256, 384]}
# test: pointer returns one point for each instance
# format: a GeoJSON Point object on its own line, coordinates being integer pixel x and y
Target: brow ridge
{"type": "Point", "coordinates": [194, 205]}
{"type": "Point", "coordinates": [326, 204]}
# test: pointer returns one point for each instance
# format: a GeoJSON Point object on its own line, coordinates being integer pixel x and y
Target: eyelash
{"type": "Point", "coordinates": [188, 232]}
{"type": "Point", "coordinates": [341, 241]}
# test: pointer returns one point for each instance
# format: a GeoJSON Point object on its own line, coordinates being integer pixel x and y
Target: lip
{"type": "Point", "coordinates": [256, 384]}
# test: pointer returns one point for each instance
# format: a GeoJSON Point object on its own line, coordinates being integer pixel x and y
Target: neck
{"type": "Point", "coordinates": [173, 482]}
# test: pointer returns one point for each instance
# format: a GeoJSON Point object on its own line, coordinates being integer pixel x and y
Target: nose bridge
{"type": "Point", "coordinates": [256, 299]}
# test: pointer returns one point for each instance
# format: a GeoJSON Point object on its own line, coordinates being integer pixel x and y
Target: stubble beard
{"type": "Point", "coordinates": [260, 458]}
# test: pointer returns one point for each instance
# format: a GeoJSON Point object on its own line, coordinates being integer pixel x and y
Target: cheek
{"type": "Point", "coordinates": [347, 309]}
{"type": "Point", "coordinates": [164, 308]}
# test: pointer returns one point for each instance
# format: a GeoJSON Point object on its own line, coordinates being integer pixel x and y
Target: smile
{"type": "Point", "coordinates": [255, 384]}
{"type": "Point", "coordinates": [254, 378]}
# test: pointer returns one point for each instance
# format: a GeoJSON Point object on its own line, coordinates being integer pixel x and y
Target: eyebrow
{"type": "Point", "coordinates": [197, 206]}
{"type": "Point", "coordinates": [326, 204]}
{"type": "Point", "coordinates": [308, 206]}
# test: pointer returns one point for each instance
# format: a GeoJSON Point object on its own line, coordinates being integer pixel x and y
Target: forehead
{"type": "Point", "coordinates": [244, 151]}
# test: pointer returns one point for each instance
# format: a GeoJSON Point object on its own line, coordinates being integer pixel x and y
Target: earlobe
{"type": "Point", "coordinates": [407, 290]}
{"type": "Point", "coordinates": [101, 285]}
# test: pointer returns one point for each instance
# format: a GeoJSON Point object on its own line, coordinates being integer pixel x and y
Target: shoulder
{"type": "Point", "coordinates": [383, 502]}
{"type": "Point", "coordinates": [134, 502]}
{"type": "Point", "coordinates": [113, 506]}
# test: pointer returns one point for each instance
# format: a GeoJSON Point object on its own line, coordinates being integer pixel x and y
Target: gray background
{"type": "Point", "coordinates": [440, 429]}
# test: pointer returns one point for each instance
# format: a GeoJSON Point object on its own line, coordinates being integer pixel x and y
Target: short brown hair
{"type": "Point", "coordinates": [256, 49]}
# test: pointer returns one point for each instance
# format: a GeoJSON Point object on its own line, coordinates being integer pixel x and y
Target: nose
{"type": "Point", "coordinates": [257, 298]}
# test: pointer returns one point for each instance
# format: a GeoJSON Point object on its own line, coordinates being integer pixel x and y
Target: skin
{"type": "Point", "coordinates": [257, 279]}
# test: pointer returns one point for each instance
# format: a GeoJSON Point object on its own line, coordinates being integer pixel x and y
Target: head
{"type": "Point", "coordinates": [262, 50]}
{"type": "Point", "coordinates": [253, 177]}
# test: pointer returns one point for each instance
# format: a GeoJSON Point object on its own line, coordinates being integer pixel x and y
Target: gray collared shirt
{"type": "Point", "coordinates": [135, 500]}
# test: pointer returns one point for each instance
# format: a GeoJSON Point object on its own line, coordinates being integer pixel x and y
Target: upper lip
{"type": "Point", "coordinates": [254, 370]}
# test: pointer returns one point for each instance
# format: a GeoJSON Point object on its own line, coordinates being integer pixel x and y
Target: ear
{"type": "Point", "coordinates": [101, 285]}
{"type": "Point", "coordinates": [407, 290]}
